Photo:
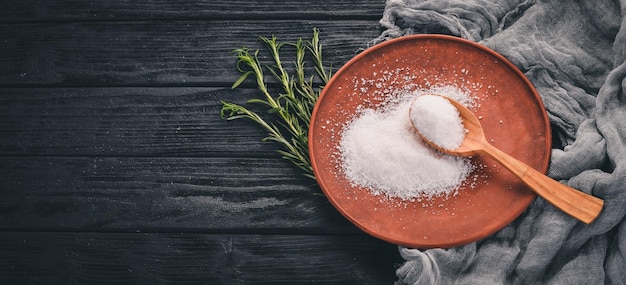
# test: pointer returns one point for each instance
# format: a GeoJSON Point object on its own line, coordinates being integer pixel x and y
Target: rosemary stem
{"type": "Point", "coordinates": [293, 107]}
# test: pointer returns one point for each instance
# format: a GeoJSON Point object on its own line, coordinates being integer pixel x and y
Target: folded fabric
{"type": "Point", "coordinates": [574, 52]}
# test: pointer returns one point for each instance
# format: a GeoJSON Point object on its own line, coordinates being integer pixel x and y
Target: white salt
{"type": "Point", "coordinates": [381, 152]}
{"type": "Point", "coordinates": [438, 121]}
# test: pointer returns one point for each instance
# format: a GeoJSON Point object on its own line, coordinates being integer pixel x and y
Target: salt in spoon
{"type": "Point", "coordinates": [577, 204]}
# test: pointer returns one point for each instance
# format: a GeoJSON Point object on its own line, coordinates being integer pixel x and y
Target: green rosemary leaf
{"type": "Point", "coordinates": [241, 79]}
{"type": "Point", "coordinates": [274, 110]}
{"type": "Point", "coordinates": [290, 109]}
{"type": "Point", "coordinates": [260, 101]}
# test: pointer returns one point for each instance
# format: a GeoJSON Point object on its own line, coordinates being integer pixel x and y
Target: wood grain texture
{"type": "Point", "coordinates": [127, 122]}
{"type": "Point", "coordinates": [151, 53]}
{"type": "Point", "coordinates": [85, 10]}
{"type": "Point", "coordinates": [163, 194]}
{"type": "Point", "coordinates": [118, 169]}
{"type": "Point", "coordinates": [183, 258]}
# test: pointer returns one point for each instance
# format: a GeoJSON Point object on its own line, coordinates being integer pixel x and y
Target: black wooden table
{"type": "Point", "coordinates": [115, 166]}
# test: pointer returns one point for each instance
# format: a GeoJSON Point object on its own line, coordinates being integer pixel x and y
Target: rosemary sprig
{"type": "Point", "coordinates": [293, 106]}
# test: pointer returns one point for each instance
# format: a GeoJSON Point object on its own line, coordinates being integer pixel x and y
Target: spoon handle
{"type": "Point", "coordinates": [577, 204]}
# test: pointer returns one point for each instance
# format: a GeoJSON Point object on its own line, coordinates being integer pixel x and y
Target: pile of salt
{"type": "Point", "coordinates": [438, 121]}
{"type": "Point", "coordinates": [380, 151]}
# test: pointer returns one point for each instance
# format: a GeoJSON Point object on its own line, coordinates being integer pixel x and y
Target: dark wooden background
{"type": "Point", "coordinates": [115, 166]}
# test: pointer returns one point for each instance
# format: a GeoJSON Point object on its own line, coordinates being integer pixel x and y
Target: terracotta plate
{"type": "Point", "coordinates": [511, 112]}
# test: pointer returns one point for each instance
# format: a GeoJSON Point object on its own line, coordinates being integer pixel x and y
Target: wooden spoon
{"type": "Point", "coordinates": [577, 204]}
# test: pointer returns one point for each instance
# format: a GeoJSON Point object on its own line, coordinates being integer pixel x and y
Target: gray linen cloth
{"type": "Point", "coordinates": [574, 52]}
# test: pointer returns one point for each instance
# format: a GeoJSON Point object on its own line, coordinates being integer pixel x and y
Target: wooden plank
{"type": "Point", "coordinates": [315, 260]}
{"type": "Point", "coordinates": [180, 258]}
{"type": "Point", "coordinates": [84, 10]}
{"type": "Point", "coordinates": [216, 195]}
{"type": "Point", "coordinates": [109, 258]}
{"type": "Point", "coordinates": [154, 53]}
{"type": "Point", "coordinates": [127, 122]}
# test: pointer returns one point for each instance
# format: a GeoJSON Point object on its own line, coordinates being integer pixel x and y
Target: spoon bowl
{"type": "Point", "coordinates": [577, 204]}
